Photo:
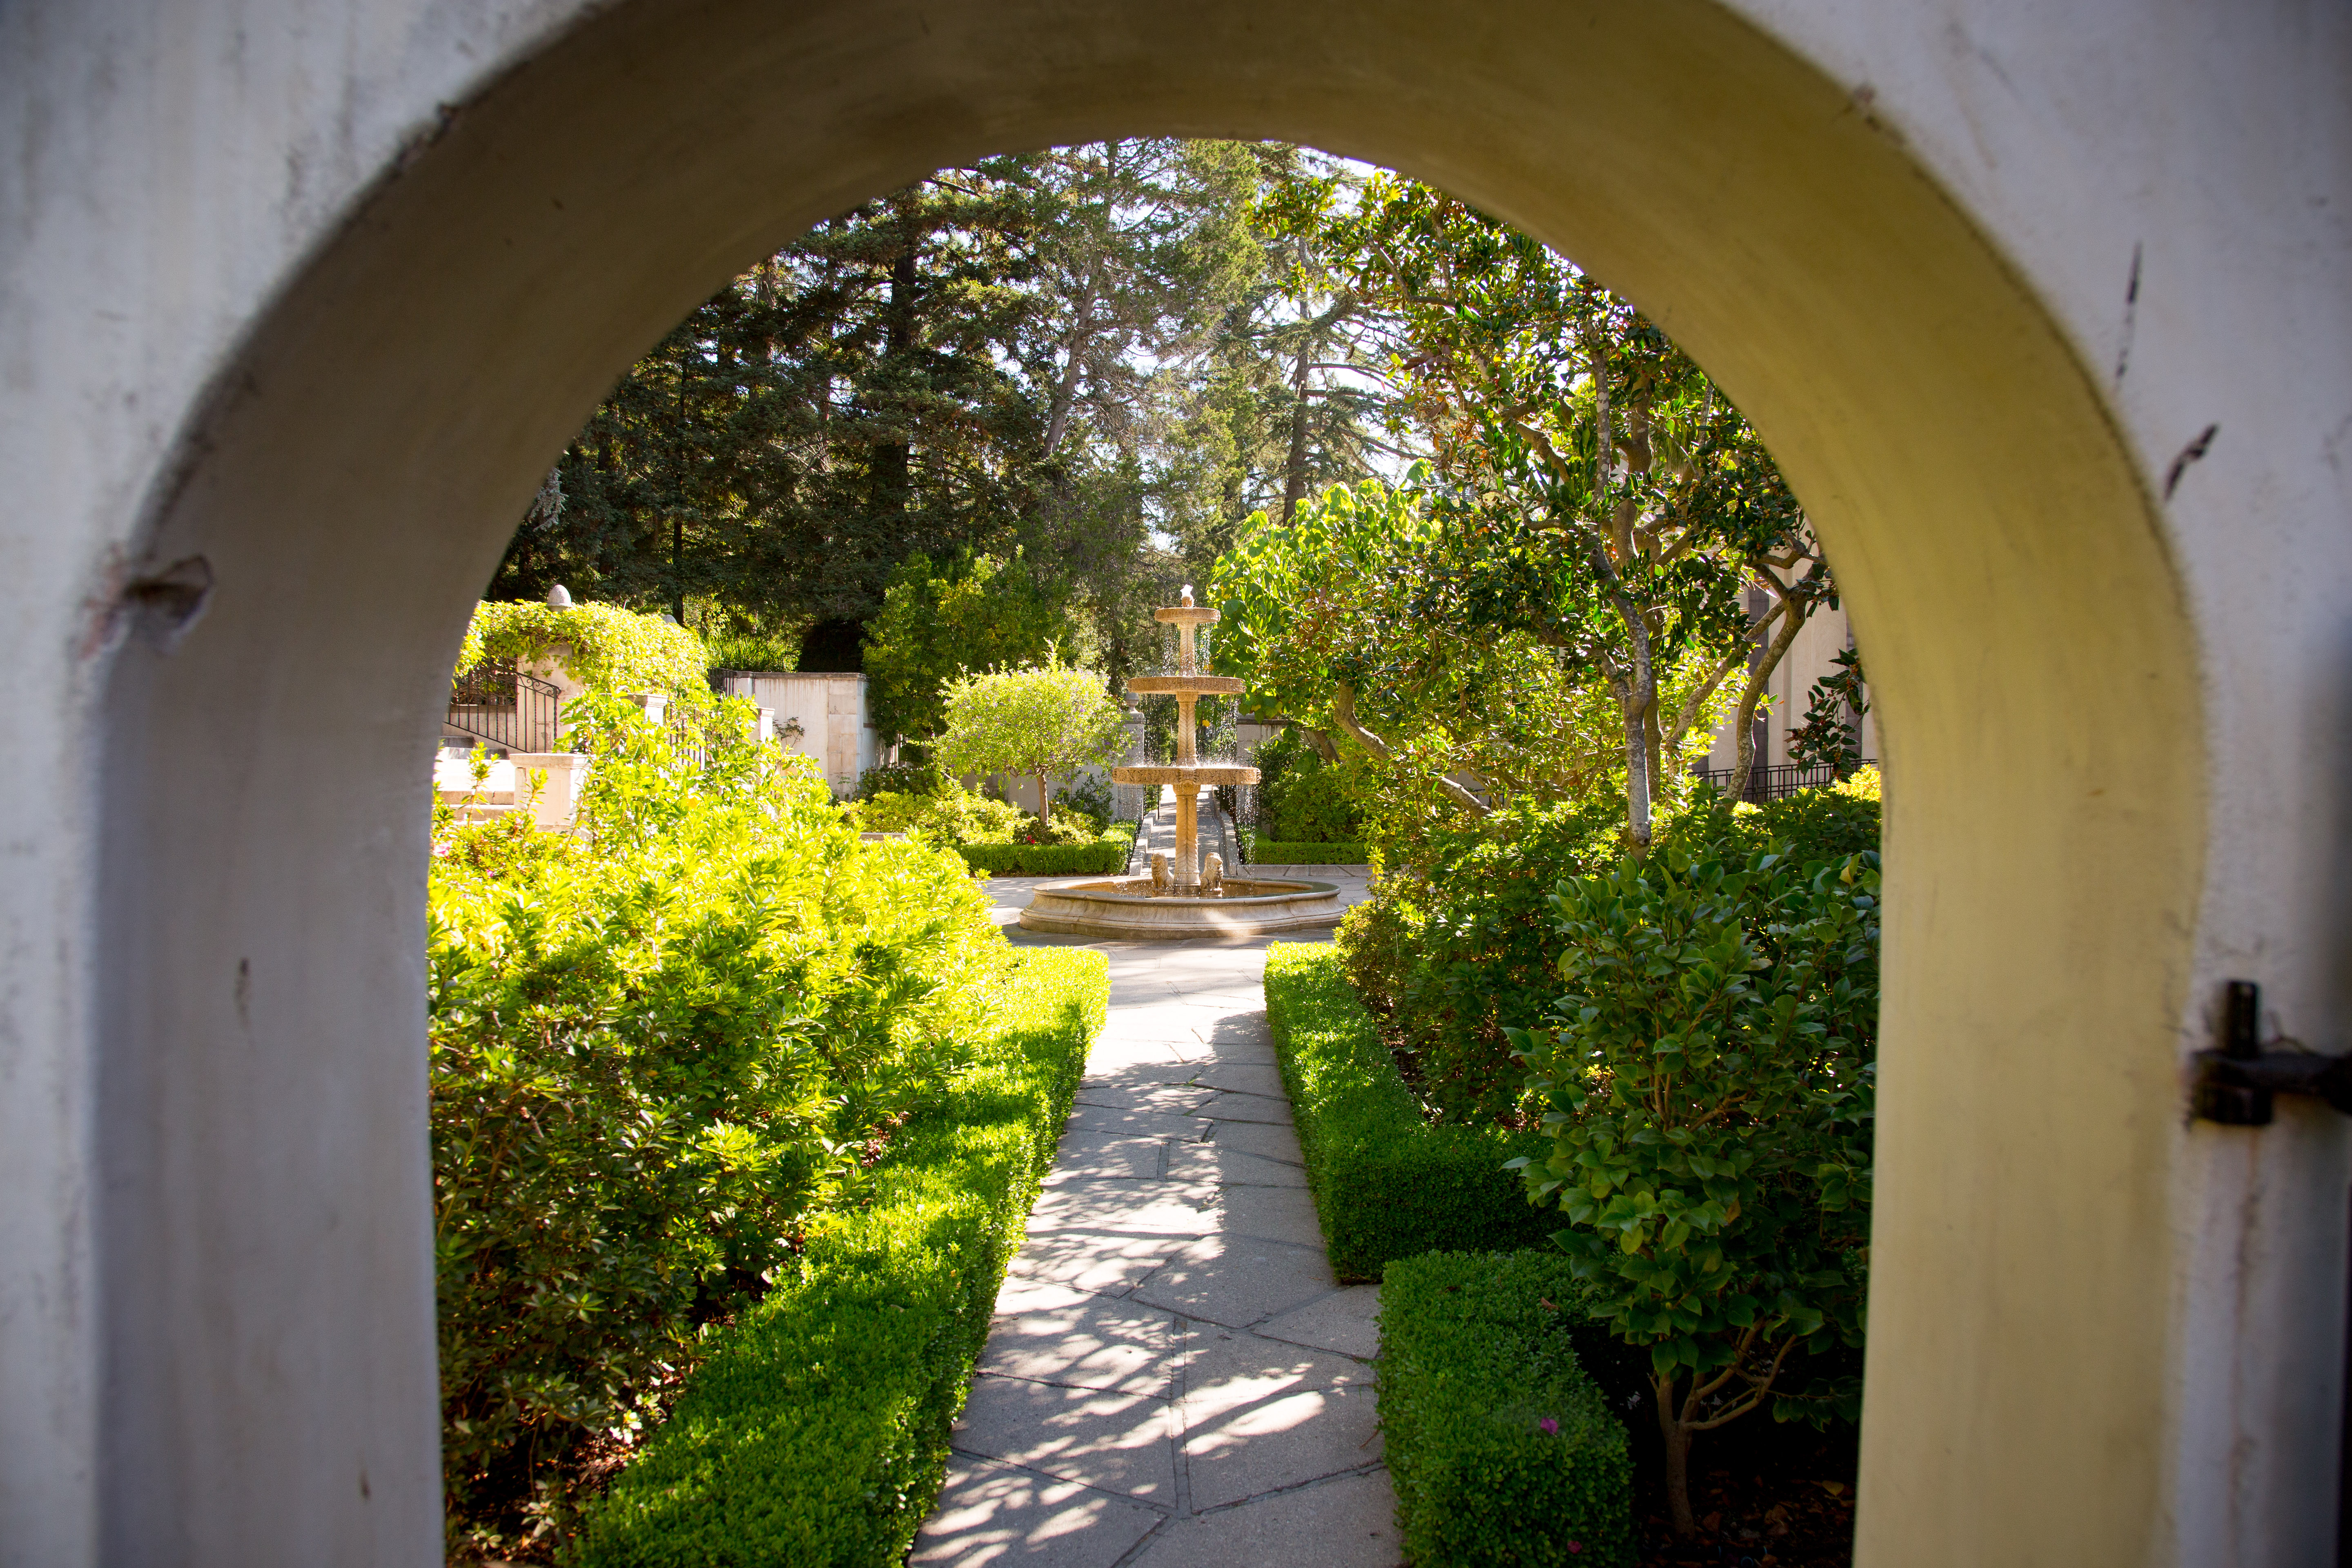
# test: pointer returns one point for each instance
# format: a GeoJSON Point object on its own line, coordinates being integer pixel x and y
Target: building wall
{"type": "Point", "coordinates": [830, 710]}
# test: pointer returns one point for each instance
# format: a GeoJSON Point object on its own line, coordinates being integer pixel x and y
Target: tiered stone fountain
{"type": "Point", "coordinates": [1179, 901]}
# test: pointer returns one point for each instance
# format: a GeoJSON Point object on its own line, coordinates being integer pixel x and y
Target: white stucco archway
{"type": "Point", "coordinates": [379, 261]}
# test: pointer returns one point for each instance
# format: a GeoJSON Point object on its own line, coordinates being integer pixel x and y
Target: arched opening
{"type": "Point", "coordinates": [265, 1246]}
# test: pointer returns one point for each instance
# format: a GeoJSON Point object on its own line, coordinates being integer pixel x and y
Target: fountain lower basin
{"type": "Point", "coordinates": [1125, 907]}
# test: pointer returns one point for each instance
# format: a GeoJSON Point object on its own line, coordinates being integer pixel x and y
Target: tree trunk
{"type": "Point", "coordinates": [1294, 471]}
{"type": "Point", "coordinates": [1343, 708]}
{"type": "Point", "coordinates": [1791, 623]}
{"type": "Point", "coordinates": [1044, 802]}
{"type": "Point", "coordinates": [1678, 1444]}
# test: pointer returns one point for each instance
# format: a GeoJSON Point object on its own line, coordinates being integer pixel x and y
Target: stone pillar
{"type": "Point", "coordinates": [1188, 837]}
{"type": "Point", "coordinates": [557, 803]}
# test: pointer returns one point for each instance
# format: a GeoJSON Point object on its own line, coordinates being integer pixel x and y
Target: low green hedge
{"type": "Point", "coordinates": [1287, 852]}
{"type": "Point", "coordinates": [817, 1430]}
{"type": "Point", "coordinates": [1387, 1181]}
{"type": "Point", "coordinates": [1106, 855]}
{"type": "Point", "coordinates": [1501, 1448]}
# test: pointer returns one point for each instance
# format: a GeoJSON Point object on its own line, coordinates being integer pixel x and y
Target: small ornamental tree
{"type": "Point", "coordinates": [1710, 1089]}
{"type": "Point", "coordinates": [1045, 720]}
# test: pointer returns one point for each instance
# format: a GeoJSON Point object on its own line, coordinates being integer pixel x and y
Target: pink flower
{"type": "Point", "coordinates": [1576, 1546]}
{"type": "Point", "coordinates": [1550, 1427]}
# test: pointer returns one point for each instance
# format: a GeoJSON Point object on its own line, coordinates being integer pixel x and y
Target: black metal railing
{"type": "Point", "coordinates": [499, 705]}
{"type": "Point", "coordinates": [1777, 780]}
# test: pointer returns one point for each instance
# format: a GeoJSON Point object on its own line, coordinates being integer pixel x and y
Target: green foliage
{"type": "Point", "coordinates": [761, 652]}
{"type": "Point", "coordinates": [654, 1055]}
{"type": "Point", "coordinates": [1466, 944]}
{"type": "Point", "coordinates": [1365, 601]}
{"type": "Point", "coordinates": [1046, 721]}
{"type": "Point", "coordinates": [1388, 1182]}
{"type": "Point", "coordinates": [940, 622]}
{"type": "Point", "coordinates": [1709, 1081]}
{"type": "Point", "coordinates": [1091, 798]}
{"type": "Point", "coordinates": [1103, 855]}
{"type": "Point", "coordinates": [1463, 946]}
{"type": "Point", "coordinates": [601, 646]}
{"type": "Point", "coordinates": [1263, 851]}
{"type": "Point", "coordinates": [1501, 1448]}
{"type": "Point", "coordinates": [953, 819]}
{"type": "Point", "coordinates": [1831, 736]}
{"type": "Point", "coordinates": [1304, 798]}
{"type": "Point", "coordinates": [817, 1431]}
{"type": "Point", "coordinates": [1603, 499]}
{"type": "Point", "coordinates": [911, 774]}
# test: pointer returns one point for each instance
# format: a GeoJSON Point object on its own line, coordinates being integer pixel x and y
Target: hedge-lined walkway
{"type": "Point", "coordinates": [1173, 1376]}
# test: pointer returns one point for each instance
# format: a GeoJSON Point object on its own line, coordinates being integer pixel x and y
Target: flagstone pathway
{"type": "Point", "coordinates": [1173, 1377]}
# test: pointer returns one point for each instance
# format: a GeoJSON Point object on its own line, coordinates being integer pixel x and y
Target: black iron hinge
{"type": "Point", "coordinates": [2236, 1083]}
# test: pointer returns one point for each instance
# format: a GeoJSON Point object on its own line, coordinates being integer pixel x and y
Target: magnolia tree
{"type": "Point", "coordinates": [1045, 720]}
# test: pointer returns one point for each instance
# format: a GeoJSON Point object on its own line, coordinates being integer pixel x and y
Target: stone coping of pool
{"type": "Point", "coordinates": [1184, 773]}
{"type": "Point", "coordinates": [1095, 906]}
{"type": "Point", "coordinates": [1197, 685]}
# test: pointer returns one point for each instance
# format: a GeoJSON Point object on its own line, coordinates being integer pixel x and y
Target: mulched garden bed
{"type": "Point", "coordinates": [1767, 1494]}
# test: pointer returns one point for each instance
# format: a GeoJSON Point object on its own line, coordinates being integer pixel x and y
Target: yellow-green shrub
{"type": "Point", "coordinates": [656, 1056]}
{"type": "Point", "coordinates": [817, 1431]}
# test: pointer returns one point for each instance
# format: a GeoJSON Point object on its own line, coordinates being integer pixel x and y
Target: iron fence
{"type": "Point", "coordinates": [499, 706]}
{"type": "Point", "coordinates": [1776, 782]}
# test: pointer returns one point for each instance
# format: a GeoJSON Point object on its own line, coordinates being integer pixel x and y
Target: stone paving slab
{"type": "Point", "coordinates": [1093, 1343]}
{"type": "Point", "coordinates": [1115, 1442]}
{"type": "Point", "coordinates": [1346, 1321]}
{"type": "Point", "coordinates": [992, 1512]}
{"type": "Point", "coordinates": [1347, 1522]}
{"type": "Point", "coordinates": [1267, 1141]}
{"type": "Point", "coordinates": [1272, 1213]}
{"type": "Point", "coordinates": [1224, 1107]}
{"type": "Point", "coordinates": [1084, 1156]}
{"type": "Point", "coordinates": [1173, 1377]}
{"type": "Point", "coordinates": [1233, 1281]}
{"type": "Point", "coordinates": [1227, 1166]}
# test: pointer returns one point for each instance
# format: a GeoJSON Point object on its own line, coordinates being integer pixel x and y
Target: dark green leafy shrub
{"type": "Point", "coordinates": [1387, 1183]}
{"type": "Point", "coordinates": [914, 773]}
{"type": "Point", "coordinates": [1090, 797]}
{"type": "Point", "coordinates": [1502, 1449]}
{"type": "Point", "coordinates": [1481, 949]}
{"type": "Point", "coordinates": [1710, 1084]}
{"type": "Point", "coordinates": [656, 1056]}
{"type": "Point", "coordinates": [1308, 800]}
{"type": "Point", "coordinates": [1472, 938]}
{"type": "Point", "coordinates": [817, 1431]}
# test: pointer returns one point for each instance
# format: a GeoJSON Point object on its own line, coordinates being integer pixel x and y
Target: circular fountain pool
{"type": "Point", "coordinates": [1127, 907]}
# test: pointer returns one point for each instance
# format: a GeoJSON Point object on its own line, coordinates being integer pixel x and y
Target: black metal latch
{"type": "Point", "coordinates": [2235, 1084]}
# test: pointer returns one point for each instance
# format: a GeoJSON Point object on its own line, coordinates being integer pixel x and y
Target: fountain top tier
{"type": "Point", "coordinates": [1187, 686]}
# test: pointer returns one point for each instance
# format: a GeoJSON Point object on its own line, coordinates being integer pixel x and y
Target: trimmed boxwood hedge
{"type": "Point", "coordinates": [1285, 852]}
{"type": "Point", "coordinates": [1105, 857]}
{"type": "Point", "coordinates": [817, 1430]}
{"type": "Point", "coordinates": [1501, 1448]}
{"type": "Point", "coordinates": [1387, 1181]}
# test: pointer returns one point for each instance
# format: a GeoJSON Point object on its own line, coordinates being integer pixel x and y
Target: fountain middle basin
{"type": "Point", "coordinates": [1125, 907]}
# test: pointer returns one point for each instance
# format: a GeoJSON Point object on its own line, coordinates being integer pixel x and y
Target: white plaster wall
{"type": "Point", "coordinates": [168, 169]}
{"type": "Point", "coordinates": [2176, 178]}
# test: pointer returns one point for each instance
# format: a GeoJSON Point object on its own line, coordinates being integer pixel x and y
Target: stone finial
{"type": "Point", "coordinates": [1185, 598]}
{"type": "Point", "coordinates": [558, 597]}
